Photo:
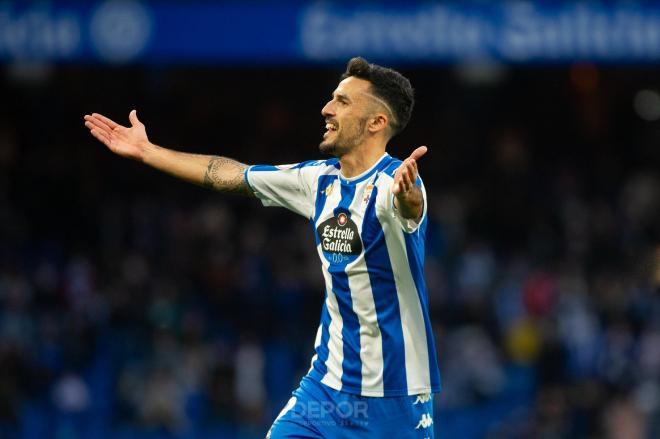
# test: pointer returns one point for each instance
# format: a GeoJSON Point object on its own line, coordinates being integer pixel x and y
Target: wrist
{"type": "Point", "coordinates": [409, 204]}
{"type": "Point", "coordinates": [148, 152]}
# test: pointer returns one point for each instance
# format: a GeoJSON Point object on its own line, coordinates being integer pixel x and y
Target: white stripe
{"type": "Point", "coordinates": [371, 343]}
{"type": "Point", "coordinates": [335, 341]}
{"type": "Point", "coordinates": [412, 317]}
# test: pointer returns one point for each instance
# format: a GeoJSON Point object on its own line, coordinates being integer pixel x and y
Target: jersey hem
{"type": "Point", "coordinates": [379, 394]}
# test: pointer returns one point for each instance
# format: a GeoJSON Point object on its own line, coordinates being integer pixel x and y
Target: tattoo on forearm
{"type": "Point", "coordinates": [226, 175]}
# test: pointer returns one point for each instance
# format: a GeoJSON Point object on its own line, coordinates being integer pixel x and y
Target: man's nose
{"type": "Point", "coordinates": [327, 110]}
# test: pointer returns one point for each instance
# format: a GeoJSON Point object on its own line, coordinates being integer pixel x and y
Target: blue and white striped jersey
{"type": "Point", "coordinates": [375, 336]}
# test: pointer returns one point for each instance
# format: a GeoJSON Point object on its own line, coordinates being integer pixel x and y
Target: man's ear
{"type": "Point", "coordinates": [378, 122]}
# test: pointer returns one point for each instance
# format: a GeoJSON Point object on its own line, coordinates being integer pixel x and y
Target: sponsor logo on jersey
{"type": "Point", "coordinates": [339, 238]}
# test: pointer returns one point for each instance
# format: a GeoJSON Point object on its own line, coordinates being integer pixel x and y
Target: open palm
{"type": "Point", "coordinates": [127, 142]}
{"type": "Point", "coordinates": [406, 174]}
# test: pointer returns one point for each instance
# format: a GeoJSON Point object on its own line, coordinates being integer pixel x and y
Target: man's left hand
{"type": "Point", "coordinates": [408, 197]}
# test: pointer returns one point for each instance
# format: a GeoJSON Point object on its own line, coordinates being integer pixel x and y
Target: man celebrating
{"type": "Point", "coordinates": [375, 366]}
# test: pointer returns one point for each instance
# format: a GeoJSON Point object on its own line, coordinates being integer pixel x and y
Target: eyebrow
{"type": "Point", "coordinates": [341, 96]}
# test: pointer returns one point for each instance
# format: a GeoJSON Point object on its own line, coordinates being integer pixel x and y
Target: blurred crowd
{"type": "Point", "coordinates": [133, 305]}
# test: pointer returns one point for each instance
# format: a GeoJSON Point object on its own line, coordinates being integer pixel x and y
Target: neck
{"type": "Point", "coordinates": [360, 159]}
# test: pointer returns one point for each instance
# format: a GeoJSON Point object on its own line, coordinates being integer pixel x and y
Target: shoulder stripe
{"type": "Point", "coordinates": [308, 163]}
{"type": "Point", "coordinates": [392, 167]}
{"type": "Point", "coordinates": [264, 168]}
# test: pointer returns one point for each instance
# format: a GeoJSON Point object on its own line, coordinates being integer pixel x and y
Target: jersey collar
{"type": "Point", "coordinates": [378, 166]}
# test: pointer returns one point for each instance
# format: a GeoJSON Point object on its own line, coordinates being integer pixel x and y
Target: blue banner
{"type": "Point", "coordinates": [129, 31]}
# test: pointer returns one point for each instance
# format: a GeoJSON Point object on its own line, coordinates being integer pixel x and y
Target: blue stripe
{"type": "Point", "coordinates": [319, 368]}
{"type": "Point", "coordinates": [393, 166]}
{"type": "Point", "coordinates": [383, 287]}
{"type": "Point", "coordinates": [322, 352]}
{"type": "Point", "coordinates": [247, 180]}
{"type": "Point", "coordinates": [351, 378]}
{"type": "Point", "coordinates": [308, 163]}
{"type": "Point", "coordinates": [347, 195]}
{"type": "Point", "coordinates": [264, 168]}
{"type": "Point", "coordinates": [333, 162]}
{"type": "Point", "coordinates": [415, 250]}
{"type": "Point", "coordinates": [300, 165]}
{"type": "Point", "coordinates": [323, 182]}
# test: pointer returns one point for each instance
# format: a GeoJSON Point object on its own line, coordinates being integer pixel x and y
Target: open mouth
{"type": "Point", "coordinates": [329, 129]}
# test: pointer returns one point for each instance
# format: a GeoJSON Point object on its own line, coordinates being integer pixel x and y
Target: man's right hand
{"type": "Point", "coordinates": [124, 141]}
{"type": "Point", "coordinates": [218, 173]}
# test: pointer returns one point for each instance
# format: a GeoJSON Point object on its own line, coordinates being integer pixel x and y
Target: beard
{"type": "Point", "coordinates": [345, 139]}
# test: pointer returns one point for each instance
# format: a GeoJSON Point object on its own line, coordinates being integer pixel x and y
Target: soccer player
{"type": "Point", "coordinates": [375, 367]}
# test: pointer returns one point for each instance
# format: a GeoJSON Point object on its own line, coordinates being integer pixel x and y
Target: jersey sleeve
{"type": "Point", "coordinates": [288, 186]}
{"type": "Point", "coordinates": [407, 224]}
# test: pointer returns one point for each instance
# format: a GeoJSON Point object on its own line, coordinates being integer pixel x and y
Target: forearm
{"type": "Point", "coordinates": [218, 173]}
{"type": "Point", "coordinates": [411, 204]}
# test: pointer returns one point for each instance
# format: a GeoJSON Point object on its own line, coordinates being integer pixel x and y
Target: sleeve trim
{"type": "Point", "coordinates": [247, 179]}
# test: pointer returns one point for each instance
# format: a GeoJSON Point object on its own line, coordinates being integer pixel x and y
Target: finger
{"type": "Point", "coordinates": [413, 162]}
{"type": "Point", "coordinates": [132, 117]}
{"type": "Point", "coordinates": [419, 152]}
{"type": "Point", "coordinates": [412, 170]}
{"type": "Point", "coordinates": [405, 180]}
{"type": "Point", "coordinates": [109, 122]}
{"type": "Point", "coordinates": [94, 119]}
{"type": "Point", "coordinates": [101, 123]}
{"type": "Point", "coordinates": [101, 136]}
{"type": "Point", "coordinates": [397, 174]}
{"type": "Point", "coordinates": [95, 123]}
{"type": "Point", "coordinates": [411, 166]}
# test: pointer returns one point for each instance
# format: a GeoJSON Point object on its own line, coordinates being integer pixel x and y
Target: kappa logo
{"type": "Point", "coordinates": [421, 399]}
{"type": "Point", "coordinates": [328, 190]}
{"type": "Point", "coordinates": [425, 422]}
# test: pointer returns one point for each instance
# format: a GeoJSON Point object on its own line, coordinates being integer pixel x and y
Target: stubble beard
{"type": "Point", "coordinates": [328, 148]}
{"type": "Point", "coordinates": [344, 143]}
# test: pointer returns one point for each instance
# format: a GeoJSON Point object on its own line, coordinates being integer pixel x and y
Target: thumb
{"type": "Point", "coordinates": [418, 153]}
{"type": "Point", "coordinates": [132, 117]}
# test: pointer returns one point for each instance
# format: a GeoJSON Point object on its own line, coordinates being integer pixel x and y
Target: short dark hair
{"type": "Point", "coordinates": [388, 85]}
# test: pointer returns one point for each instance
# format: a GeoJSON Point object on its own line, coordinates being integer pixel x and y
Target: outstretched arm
{"type": "Point", "coordinates": [408, 198]}
{"type": "Point", "coordinates": [219, 173]}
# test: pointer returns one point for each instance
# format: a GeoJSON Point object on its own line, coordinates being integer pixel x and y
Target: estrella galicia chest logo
{"type": "Point", "coordinates": [339, 238]}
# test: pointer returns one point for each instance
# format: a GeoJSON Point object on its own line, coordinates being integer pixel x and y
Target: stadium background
{"type": "Point", "coordinates": [133, 305]}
